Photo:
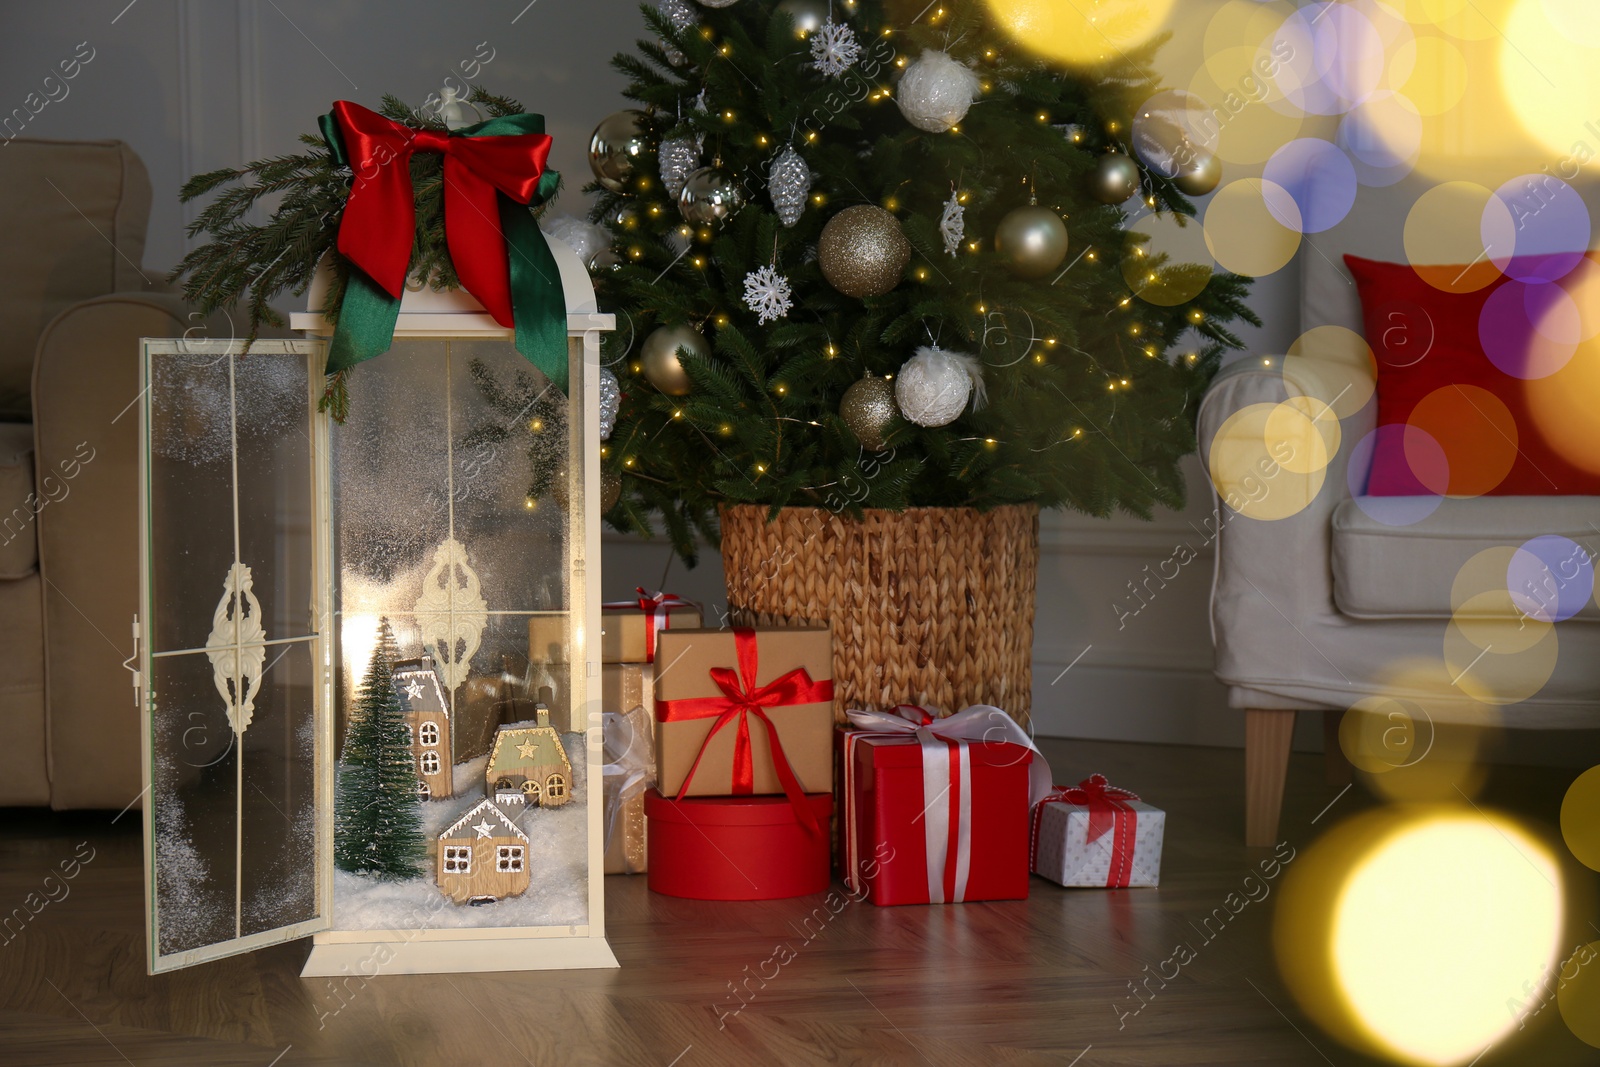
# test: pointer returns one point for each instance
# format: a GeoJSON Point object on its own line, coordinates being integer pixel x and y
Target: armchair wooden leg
{"type": "Point", "coordinates": [1267, 734]}
{"type": "Point", "coordinates": [1334, 764]}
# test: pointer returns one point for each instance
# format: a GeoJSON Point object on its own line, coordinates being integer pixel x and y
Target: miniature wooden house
{"type": "Point", "coordinates": [529, 757]}
{"type": "Point", "coordinates": [416, 681]}
{"type": "Point", "coordinates": [482, 857]}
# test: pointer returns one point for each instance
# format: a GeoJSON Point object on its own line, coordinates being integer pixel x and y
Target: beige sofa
{"type": "Point", "coordinates": [73, 306]}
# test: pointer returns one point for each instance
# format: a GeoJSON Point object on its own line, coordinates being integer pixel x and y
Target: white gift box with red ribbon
{"type": "Point", "coordinates": [1097, 835]}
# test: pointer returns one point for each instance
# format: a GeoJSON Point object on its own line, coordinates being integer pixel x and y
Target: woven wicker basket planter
{"type": "Point", "coordinates": [928, 606]}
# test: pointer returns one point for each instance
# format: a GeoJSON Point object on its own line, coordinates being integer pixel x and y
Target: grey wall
{"type": "Point", "coordinates": [197, 84]}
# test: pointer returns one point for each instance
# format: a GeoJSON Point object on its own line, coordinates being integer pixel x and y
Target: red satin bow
{"type": "Point", "coordinates": [379, 224]}
{"type": "Point", "coordinates": [742, 698]}
{"type": "Point", "coordinates": [1102, 800]}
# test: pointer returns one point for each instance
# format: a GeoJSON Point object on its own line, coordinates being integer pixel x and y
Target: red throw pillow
{"type": "Point", "coordinates": [1436, 375]}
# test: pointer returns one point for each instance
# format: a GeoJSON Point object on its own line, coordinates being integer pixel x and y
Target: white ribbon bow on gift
{"type": "Point", "coordinates": [628, 744]}
{"type": "Point", "coordinates": [946, 768]}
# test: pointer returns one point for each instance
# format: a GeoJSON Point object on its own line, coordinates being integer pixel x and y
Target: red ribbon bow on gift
{"type": "Point", "coordinates": [1106, 803]}
{"type": "Point", "coordinates": [740, 699]}
{"type": "Point", "coordinates": [657, 608]}
{"type": "Point", "coordinates": [379, 224]}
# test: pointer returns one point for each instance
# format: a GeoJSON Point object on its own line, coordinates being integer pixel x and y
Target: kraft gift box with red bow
{"type": "Point", "coordinates": [1095, 834]}
{"type": "Point", "coordinates": [741, 715]}
{"type": "Point", "coordinates": [936, 808]}
{"type": "Point", "coordinates": [628, 628]}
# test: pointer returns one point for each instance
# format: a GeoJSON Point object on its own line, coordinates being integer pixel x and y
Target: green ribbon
{"type": "Point", "coordinates": [368, 314]}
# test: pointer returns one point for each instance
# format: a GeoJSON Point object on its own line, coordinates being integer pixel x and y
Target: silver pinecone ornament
{"type": "Point", "coordinates": [681, 14]}
{"type": "Point", "coordinates": [679, 158]}
{"type": "Point", "coordinates": [610, 403]}
{"type": "Point", "coordinates": [788, 182]}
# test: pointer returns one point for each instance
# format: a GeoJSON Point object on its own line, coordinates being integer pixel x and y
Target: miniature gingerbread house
{"type": "Point", "coordinates": [428, 717]}
{"type": "Point", "coordinates": [482, 857]}
{"type": "Point", "coordinates": [529, 757]}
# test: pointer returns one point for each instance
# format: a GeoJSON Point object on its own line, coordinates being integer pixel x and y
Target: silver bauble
{"type": "Point", "coordinates": [614, 147]}
{"type": "Point", "coordinates": [658, 357]}
{"type": "Point", "coordinates": [788, 183]}
{"type": "Point", "coordinates": [585, 238]}
{"type": "Point", "coordinates": [1032, 241]}
{"type": "Point", "coordinates": [679, 157]}
{"type": "Point", "coordinates": [1199, 174]}
{"type": "Point", "coordinates": [935, 92]}
{"type": "Point", "coordinates": [933, 386]}
{"type": "Point", "coordinates": [610, 403]}
{"type": "Point", "coordinates": [709, 195]}
{"type": "Point", "coordinates": [808, 15]}
{"type": "Point", "coordinates": [862, 251]}
{"type": "Point", "coordinates": [868, 408]}
{"type": "Point", "coordinates": [1115, 178]}
{"type": "Point", "coordinates": [718, 3]}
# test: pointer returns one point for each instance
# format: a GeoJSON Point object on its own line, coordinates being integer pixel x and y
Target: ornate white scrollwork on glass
{"type": "Point", "coordinates": [236, 646]}
{"type": "Point", "coordinates": [451, 612]}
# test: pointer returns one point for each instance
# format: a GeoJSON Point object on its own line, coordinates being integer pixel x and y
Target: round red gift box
{"type": "Point", "coordinates": [736, 848]}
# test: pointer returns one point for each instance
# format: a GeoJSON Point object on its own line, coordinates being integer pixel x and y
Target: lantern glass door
{"type": "Point", "coordinates": [455, 501]}
{"type": "Point", "coordinates": [233, 666]}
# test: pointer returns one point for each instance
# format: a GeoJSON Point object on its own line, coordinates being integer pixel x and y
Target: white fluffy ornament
{"type": "Point", "coordinates": [933, 386]}
{"type": "Point", "coordinates": [585, 238]}
{"type": "Point", "coordinates": [953, 223]}
{"type": "Point", "coordinates": [935, 92]}
{"type": "Point", "coordinates": [788, 182]}
{"type": "Point", "coordinates": [767, 293]}
{"type": "Point", "coordinates": [718, 3]}
{"type": "Point", "coordinates": [834, 49]}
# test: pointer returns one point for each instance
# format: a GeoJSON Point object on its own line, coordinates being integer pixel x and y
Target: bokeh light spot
{"type": "Point", "coordinates": [1319, 179]}
{"type": "Point", "coordinates": [1244, 234]}
{"type": "Point", "coordinates": [1535, 227]}
{"type": "Point", "coordinates": [1082, 32]}
{"type": "Point", "coordinates": [1446, 254]}
{"type": "Point", "coordinates": [1580, 818]}
{"type": "Point", "coordinates": [1335, 365]}
{"type": "Point", "coordinates": [1477, 432]}
{"type": "Point", "coordinates": [1425, 466]}
{"type": "Point", "coordinates": [1551, 578]}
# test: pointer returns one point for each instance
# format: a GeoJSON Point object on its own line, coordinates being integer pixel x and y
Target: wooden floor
{"type": "Point", "coordinates": [1041, 981]}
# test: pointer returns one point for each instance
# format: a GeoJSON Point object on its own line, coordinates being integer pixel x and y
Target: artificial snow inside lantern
{"type": "Point", "coordinates": [457, 500]}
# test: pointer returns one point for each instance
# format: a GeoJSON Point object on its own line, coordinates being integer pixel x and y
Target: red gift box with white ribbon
{"type": "Point", "coordinates": [1095, 834]}
{"type": "Point", "coordinates": [936, 809]}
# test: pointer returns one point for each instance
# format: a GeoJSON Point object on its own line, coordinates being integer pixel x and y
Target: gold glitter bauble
{"type": "Point", "coordinates": [659, 357]}
{"type": "Point", "coordinates": [868, 408]}
{"type": "Point", "coordinates": [862, 251]}
{"type": "Point", "coordinates": [1031, 240]}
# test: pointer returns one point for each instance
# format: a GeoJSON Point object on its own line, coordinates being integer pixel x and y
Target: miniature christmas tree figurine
{"type": "Point", "coordinates": [377, 815]}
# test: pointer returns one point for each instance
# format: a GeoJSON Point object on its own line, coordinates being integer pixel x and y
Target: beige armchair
{"type": "Point", "coordinates": [1334, 601]}
{"type": "Point", "coordinates": [74, 304]}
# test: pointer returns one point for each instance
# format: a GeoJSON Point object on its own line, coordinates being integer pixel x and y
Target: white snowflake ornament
{"type": "Point", "coordinates": [767, 293]}
{"type": "Point", "coordinates": [953, 223]}
{"type": "Point", "coordinates": [834, 49]}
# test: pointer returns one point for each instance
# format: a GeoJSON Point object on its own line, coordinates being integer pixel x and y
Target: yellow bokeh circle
{"type": "Point", "coordinates": [1442, 238]}
{"type": "Point", "coordinates": [1244, 235]}
{"type": "Point", "coordinates": [1311, 431]}
{"type": "Point", "coordinates": [1248, 457]}
{"type": "Point", "coordinates": [1250, 117]}
{"type": "Point", "coordinates": [1488, 675]}
{"type": "Point", "coordinates": [1082, 32]}
{"type": "Point", "coordinates": [1563, 407]}
{"type": "Point", "coordinates": [1549, 79]}
{"type": "Point", "coordinates": [1379, 734]}
{"type": "Point", "coordinates": [1580, 818]}
{"type": "Point", "coordinates": [1578, 993]}
{"type": "Point", "coordinates": [1405, 932]}
{"type": "Point", "coordinates": [1335, 365]}
{"type": "Point", "coordinates": [1187, 266]}
{"type": "Point", "coordinates": [1431, 72]}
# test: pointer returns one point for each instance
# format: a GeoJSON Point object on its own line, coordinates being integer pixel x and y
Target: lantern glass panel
{"type": "Point", "coordinates": [232, 653]}
{"type": "Point", "coordinates": [452, 482]}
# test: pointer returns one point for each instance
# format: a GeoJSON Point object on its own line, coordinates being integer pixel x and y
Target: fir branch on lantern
{"type": "Point", "coordinates": [255, 263]}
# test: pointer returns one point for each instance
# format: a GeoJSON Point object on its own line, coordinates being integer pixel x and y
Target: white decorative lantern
{"type": "Point", "coordinates": [274, 542]}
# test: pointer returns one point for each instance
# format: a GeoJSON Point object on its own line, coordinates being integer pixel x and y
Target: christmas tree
{"type": "Point", "coordinates": [377, 818]}
{"type": "Point", "coordinates": [824, 271]}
